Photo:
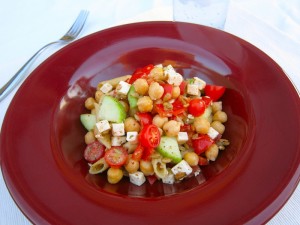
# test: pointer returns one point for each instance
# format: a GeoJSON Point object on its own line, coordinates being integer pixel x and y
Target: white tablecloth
{"type": "Point", "coordinates": [272, 25]}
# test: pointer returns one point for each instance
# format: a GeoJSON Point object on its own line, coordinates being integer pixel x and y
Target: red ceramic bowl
{"type": "Point", "coordinates": [42, 138]}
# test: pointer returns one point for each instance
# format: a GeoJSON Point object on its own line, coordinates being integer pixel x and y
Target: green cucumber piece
{"type": "Point", "coordinates": [168, 147]}
{"type": "Point", "coordinates": [112, 110]}
{"type": "Point", "coordinates": [131, 99]}
{"type": "Point", "coordinates": [88, 121]}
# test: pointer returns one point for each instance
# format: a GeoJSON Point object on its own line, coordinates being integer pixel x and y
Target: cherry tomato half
{"type": "Point", "coordinates": [214, 92]}
{"type": "Point", "coordinates": [149, 136]}
{"type": "Point", "coordinates": [94, 151]}
{"type": "Point", "coordinates": [116, 156]}
{"type": "Point", "coordinates": [196, 107]}
{"type": "Point", "coordinates": [201, 143]}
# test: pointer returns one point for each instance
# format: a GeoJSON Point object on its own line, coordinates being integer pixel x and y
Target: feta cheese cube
{"type": "Point", "coordinates": [200, 83]}
{"type": "Point", "coordinates": [102, 126]}
{"type": "Point", "coordinates": [182, 167]}
{"type": "Point", "coordinates": [159, 66]}
{"type": "Point", "coordinates": [123, 88]}
{"type": "Point", "coordinates": [118, 129]}
{"type": "Point", "coordinates": [212, 133]}
{"type": "Point", "coordinates": [132, 136]}
{"type": "Point", "coordinates": [107, 87]}
{"type": "Point", "coordinates": [192, 89]}
{"type": "Point", "coordinates": [169, 179]}
{"type": "Point", "coordinates": [174, 78]}
{"type": "Point", "coordinates": [137, 178]}
{"type": "Point", "coordinates": [118, 141]}
{"type": "Point", "coordinates": [182, 137]}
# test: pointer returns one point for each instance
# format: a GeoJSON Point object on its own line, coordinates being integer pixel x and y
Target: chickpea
{"type": "Point", "coordinates": [212, 152]}
{"type": "Point", "coordinates": [175, 92]}
{"type": "Point", "coordinates": [157, 73]}
{"type": "Point", "coordinates": [216, 106]}
{"type": "Point", "coordinates": [145, 104]}
{"type": "Point", "coordinates": [146, 167]}
{"type": "Point", "coordinates": [89, 103]}
{"type": "Point", "coordinates": [89, 137]}
{"type": "Point", "coordinates": [98, 95]}
{"type": "Point", "coordinates": [131, 165]}
{"type": "Point", "coordinates": [171, 128]}
{"type": "Point", "coordinates": [130, 124]}
{"type": "Point", "coordinates": [220, 116]}
{"type": "Point", "coordinates": [201, 125]}
{"type": "Point", "coordinates": [159, 121]}
{"type": "Point", "coordinates": [114, 175]}
{"type": "Point", "coordinates": [125, 104]}
{"type": "Point", "coordinates": [141, 86]}
{"type": "Point", "coordinates": [191, 158]}
{"type": "Point", "coordinates": [218, 126]}
{"type": "Point", "coordinates": [156, 91]}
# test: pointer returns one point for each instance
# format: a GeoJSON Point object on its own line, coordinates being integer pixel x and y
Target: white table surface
{"type": "Point", "coordinates": [273, 26]}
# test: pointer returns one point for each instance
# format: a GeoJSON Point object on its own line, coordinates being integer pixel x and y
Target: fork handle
{"type": "Point", "coordinates": [18, 77]}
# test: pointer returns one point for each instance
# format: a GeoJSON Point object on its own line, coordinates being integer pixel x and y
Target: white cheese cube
{"type": "Point", "coordinates": [200, 83]}
{"type": "Point", "coordinates": [118, 141]}
{"type": "Point", "coordinates": [123, 88]}
{"type": "Point", "coordinates": [107, 87]}
{"type": "Point", "coordinates": [212, 133]}
{"type": "Point", "coordinates": [137, 178]}
{"type": "Point", "coordinates": [192, 89]}
{"type": "Point", "coordinates": [182, 137]}
{"type": "Point", "coordinates": [118, 129]}
{"type": "Point", "coordinates": [132, 136]}
{"type": "Point", "coordinates": [169, 179]}
{"type": "Point", "coordinates": [159, 66]}
{"type": "Point", "coordinates": [182, 167]}
{"type": "Point", "coordinates": [102, 126]}
{"type": "Point", "coordinates": [173, 77]}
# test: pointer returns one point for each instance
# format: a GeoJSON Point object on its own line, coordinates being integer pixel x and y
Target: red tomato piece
{"type": "Point", "coordinates": [138, 153]}
{"type": "Point", "coordinates": [168, 89]}
{"type": "Point", "coordinates": [178, 107]}
{"type": "Point", "coordinates": [149, 136]}
{"type": "Point", "coordinates": [94, 151]}
{"type": "Point", "coordinates": [214, 92]}
{"type": "Point", "coordinates": [162, 112]}
{"type": "Point", "coordinates": [201, 143]}
{"type": "Point", "coordinates": [116, 156]}
{"type": "Point", "coordinates": [140, 72]}
{"type": "Point", "coordinates": [182, 87]}
{"type": "Point", "coordinates": [207, 100]}
{"type": "Point", "coordinates": [196, 107]}
{"type": "Point", "coordinates": [203, 161]}
{"type": "Point", "coordinates": [186, 128]}
{"type": "Point", "coordinates": [147, 153]}
{"type": "Point", "coordinates": [145, 118]}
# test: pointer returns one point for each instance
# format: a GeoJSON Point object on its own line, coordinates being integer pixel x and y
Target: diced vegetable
{"type": "Point", "coordinates": [88, 121]}
{"type": "Point", "coordinates": [168, 147]}
{"type": "Point", "coordinates": [112, 110]}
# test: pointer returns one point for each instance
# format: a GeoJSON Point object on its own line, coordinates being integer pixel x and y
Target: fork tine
{"type": "Point", "coordinates": [78, 24]}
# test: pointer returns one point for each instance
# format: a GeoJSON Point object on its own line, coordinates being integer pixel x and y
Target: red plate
{"type": "Point", "coordinates": [42, 138]}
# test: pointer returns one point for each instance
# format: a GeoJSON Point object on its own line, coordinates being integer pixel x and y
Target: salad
{"type": "Point", "coordinates": [153, 125]}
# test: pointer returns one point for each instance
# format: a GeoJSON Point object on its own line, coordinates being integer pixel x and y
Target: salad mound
{"type": "Point", "coordinates": [153, 124]}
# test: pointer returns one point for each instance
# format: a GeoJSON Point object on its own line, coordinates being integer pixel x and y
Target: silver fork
{"type": "Point", "coordinates": [71, 35]}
